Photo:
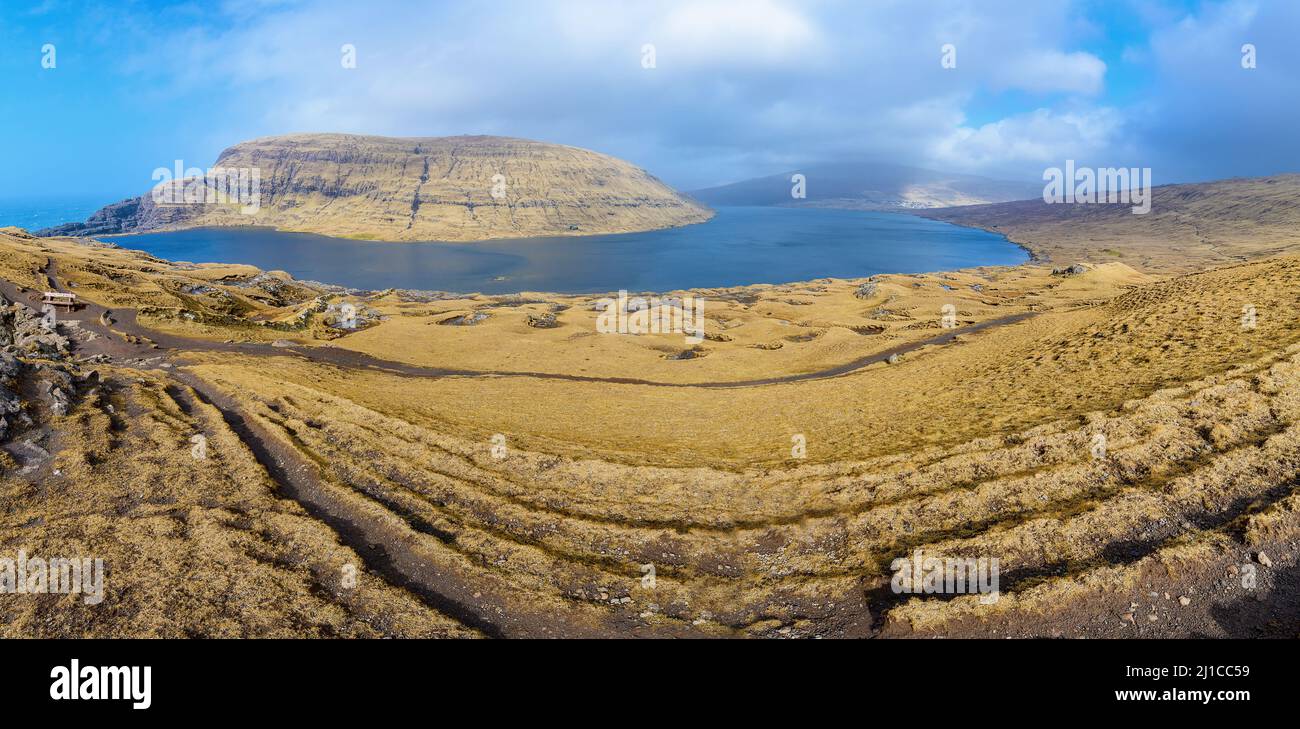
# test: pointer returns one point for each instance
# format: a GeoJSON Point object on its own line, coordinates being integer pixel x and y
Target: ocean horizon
{"type": "Point", "coordinates": [35, 213]}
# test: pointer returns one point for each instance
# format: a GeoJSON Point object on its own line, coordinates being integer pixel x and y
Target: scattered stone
{"type": "Point", "coordinates": [542, 321]}
{"type": "Point", "coordinates": [692, 353]}
{"type": "Point", "coordinates": [868, 330]}
{"type": "Point", "coordinates": [1074, 270]}
{"type": "Point", "coordinates": [1184, 600]}
{"type": "Point", "coordinates": [464, 320]}
{"type": "Point", "coordinates": [1263, 559]}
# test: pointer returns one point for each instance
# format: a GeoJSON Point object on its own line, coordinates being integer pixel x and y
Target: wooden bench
{"type": "Point", "coordinates": [59, 298]}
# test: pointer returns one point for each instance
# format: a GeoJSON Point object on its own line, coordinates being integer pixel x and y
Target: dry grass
{"type": "Point", "coordinates": [1189, 228]}
{"type": "Point", "coordinates": [979, 447]}
{"type": "Point", "coordinates": [190, 547]}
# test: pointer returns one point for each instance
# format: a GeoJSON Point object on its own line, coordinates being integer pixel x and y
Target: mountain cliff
{"type": "Point", "coordinates": [407, 189]}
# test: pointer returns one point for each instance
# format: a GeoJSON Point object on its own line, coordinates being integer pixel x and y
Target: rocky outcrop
{"type": "Point", "coordinates": [25, 332]}
{"type": "Point", "coordinates": [50, 382]}
{"type": "Point", "coordinates": [11, 404]}
{"type": "Point", "coordinates": [408, 189]}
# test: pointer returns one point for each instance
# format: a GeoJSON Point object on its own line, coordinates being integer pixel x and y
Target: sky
{"type": "Point", "coordinates": [737, 88]}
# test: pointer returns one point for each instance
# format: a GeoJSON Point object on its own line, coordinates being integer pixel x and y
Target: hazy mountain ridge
{"type": "Point", "coordinates": [428, 188]}
{"type": "Point", "coordinates": [868, 187]}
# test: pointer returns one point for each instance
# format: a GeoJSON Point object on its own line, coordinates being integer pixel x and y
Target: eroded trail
{"type": "Point", "coordinates": [142, 341]}
{"type": "Point", "coordinates": [1204, 473]}
{"type": "Point", "coordinates": [386, 544]}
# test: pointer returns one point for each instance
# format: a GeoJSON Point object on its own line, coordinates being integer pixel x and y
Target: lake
{"type": "Point", "coordinates": [739, 246]}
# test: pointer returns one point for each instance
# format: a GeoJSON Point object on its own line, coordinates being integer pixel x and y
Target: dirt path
{"type": "Point", "coordinates": [389, 546]}
{"type": "Point", "coordinates": [141, 341]}
{"type": "Point", "coordinates": [386, 544]}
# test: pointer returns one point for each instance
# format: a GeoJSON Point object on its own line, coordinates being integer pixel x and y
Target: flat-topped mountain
{"type": "Point", "coordinates": [426, 188]}
{"type": "Point", "coordinates": [861, 186]}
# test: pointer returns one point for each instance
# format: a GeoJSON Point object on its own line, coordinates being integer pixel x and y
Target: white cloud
{"type": "Point", "coordinates": [742, 32]}
{"type": "Point", "coordinates": [1042, 137]}
{"type": "Point", "coordinates": [1044, 71]}
{"type": "Point", "coordinates": [741, 86]}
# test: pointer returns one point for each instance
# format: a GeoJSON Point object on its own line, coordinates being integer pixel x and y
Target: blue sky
{"type": "Point", "coordinates": [739, 88]}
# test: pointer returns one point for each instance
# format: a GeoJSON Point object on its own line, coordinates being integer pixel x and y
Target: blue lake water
{"type": "Point", "coordinates": [739, 246]}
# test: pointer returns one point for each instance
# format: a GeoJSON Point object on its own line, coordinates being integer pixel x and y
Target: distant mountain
{"type": "Point", "coordinates": [425, 188]}
{"type": "Point", "coordinates": [869, 187]}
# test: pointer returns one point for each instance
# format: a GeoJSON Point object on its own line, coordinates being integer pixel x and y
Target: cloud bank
{"type": "Point", "coordinates": [740, 88]}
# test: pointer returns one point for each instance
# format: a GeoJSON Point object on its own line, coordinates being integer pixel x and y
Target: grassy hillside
{"type": "Point", "coordinates": [981, 446]}
{"type": "Point", "coordinates": [1190, 227]}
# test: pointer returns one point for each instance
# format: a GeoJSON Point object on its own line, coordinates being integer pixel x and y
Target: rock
{"type": "Point", "coordinates": [24, 328]}
{"type": "Point", "coordinates": [866, 290]}
{"type": "Point", "coordinates": [1184, 600]}
{"type": "Point", "coordinates": [1263, 559]}
{"type": "Point", "coordinates": [29, 455]}
{"type": "Point", "coordinates": [282, 343]}
{"type": "Point", "coordinates": [464, 320]}
{"type": "Point", "coordinates": [59, 403]}
{"type": "Point", "coordinates": [1074, 270]}
{"type": "Point", "coordinates": [894, 358]}
{"type": "Point", "coordinates": [542, 321]}
{"type": "Point", "coordinates": [692, 353]}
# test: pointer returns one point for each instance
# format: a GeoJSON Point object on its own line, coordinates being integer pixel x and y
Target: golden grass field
{"type": "Point", "coordinates": [526, 493]}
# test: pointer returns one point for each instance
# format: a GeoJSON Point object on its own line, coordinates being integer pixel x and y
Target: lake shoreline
{"type": "Point", "coordinates": [738, 247]}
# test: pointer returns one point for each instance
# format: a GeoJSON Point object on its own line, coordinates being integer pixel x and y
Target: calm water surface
{"type": "Point", "coordinates": [739, 246]}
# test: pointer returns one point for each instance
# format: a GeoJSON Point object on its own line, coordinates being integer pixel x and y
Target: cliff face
{"type": "Point", "coordinates": [433, 188]}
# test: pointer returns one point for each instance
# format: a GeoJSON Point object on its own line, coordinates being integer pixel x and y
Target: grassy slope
{"type": "Point", "coordinates": [1190, 227]}
{"type": "Point", "coordinates": [982, 446]}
